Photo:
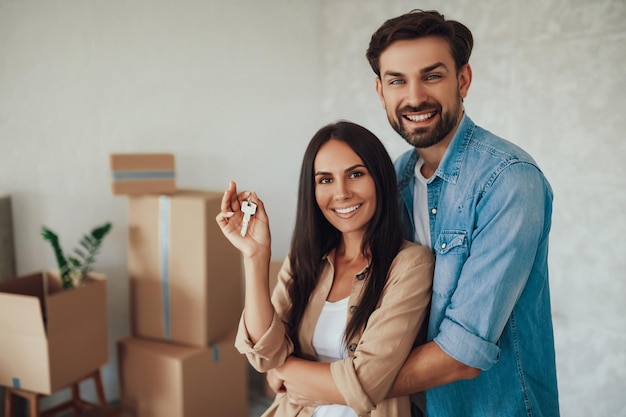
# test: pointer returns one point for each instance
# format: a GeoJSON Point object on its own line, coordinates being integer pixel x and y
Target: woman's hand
{"type": "Point", "coordinates": [230, 219]}
{"type": "Point", "coordinates": [307, 383]}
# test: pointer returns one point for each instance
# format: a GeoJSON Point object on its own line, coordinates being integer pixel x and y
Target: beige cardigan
{"type": "Point", "coordinates": [366, 376]}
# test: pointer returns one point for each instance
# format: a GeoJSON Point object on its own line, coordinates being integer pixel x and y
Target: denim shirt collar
{"type": "Point", "coordinates": [452, 160]}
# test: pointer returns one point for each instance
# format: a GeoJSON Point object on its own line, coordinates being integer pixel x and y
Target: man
{"type": "Point", "coordinates": [485, 208]}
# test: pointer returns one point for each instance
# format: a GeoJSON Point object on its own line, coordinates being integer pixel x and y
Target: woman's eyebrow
{"type": "Point", "coordinates": [350, 168]}
{"type": "Point", "coordinates": [355, 166]}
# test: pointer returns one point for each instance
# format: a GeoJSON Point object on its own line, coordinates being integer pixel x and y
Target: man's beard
{"type": "Point", "coordinates": [425, 137]}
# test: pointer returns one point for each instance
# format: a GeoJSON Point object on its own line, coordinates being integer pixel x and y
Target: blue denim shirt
{"type": "Point", "coordinates": [490, 211]}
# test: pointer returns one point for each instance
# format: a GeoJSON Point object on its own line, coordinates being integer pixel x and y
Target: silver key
{"type": "Point", "coordinates": [248, 208]}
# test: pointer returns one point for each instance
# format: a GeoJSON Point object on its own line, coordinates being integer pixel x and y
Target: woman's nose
{"type": "Point", "coordinates": [341, 191]}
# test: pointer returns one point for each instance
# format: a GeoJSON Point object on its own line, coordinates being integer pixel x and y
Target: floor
{"type": "Point", "coordinates": [257, 399]}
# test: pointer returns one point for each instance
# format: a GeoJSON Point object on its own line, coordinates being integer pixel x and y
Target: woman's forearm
{"type": "Point", "coordinates": [307, 379]}
{"type": "Point", "coordinates": [258, 309]}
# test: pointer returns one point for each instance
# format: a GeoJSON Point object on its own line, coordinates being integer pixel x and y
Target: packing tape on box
{"type": "Point", "coordinates": [164, 252]}
{"type": "Point", "coordinates": [142, 175]}
{"type": "Point", "coordinates": [216, 354]}
{"type": "Point", "coordinates": [16, 383]}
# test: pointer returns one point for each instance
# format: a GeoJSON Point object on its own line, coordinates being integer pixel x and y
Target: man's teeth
{"type": "Point", "coordinates": [348, 209]}
{"type": "Point", "coordinates": [420, 117]}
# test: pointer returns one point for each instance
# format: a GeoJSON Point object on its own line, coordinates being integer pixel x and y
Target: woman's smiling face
{"type": "Point", "coordinates": [344, 189]}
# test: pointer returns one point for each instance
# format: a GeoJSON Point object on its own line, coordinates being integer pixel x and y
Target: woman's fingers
{"type": "Point", "coordinates": [234, 198]}
{"type": "Point", "coordinates": [230, 218]}
{"type": "Point", "coordinates": [223, 216]}
{"type": "Point", "coordinates": [260, 212]}
{"type": "Point", "coordinates": [230, 199]}
{"type": "Point", "coordinates": [226, 206]}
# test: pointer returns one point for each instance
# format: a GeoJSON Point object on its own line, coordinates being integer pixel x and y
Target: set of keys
{"type": "Point", "coordinates": [248, 208]}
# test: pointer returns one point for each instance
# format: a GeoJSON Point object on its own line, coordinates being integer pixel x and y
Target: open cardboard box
{"type": "Point", "coordinates": [51, 337]}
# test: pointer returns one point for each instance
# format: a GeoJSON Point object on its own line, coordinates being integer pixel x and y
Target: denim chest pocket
{"type": "Point", "coordinates": [451, 251]}
{"type": "Point", "coordinates": [451, 241]}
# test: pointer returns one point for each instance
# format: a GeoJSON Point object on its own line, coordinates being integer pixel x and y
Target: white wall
{"type": "Point", "coordinates": [236, 89]}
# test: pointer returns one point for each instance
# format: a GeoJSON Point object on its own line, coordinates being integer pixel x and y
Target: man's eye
{"type": "Point", "coordinates": [396, 82]}
{"type": "Point", "coordinates": [433, 77]}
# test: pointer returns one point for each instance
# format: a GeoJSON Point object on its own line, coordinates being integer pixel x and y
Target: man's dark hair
{"type": "Point", "coordinates": [419, 24]}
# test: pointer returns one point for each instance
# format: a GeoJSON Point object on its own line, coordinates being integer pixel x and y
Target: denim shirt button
{"type": "Point", "coordinates": [433, 210]}
{"type": "Point", "coordinates": [443, 246]}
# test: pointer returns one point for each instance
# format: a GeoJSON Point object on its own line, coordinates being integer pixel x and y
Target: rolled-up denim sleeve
{"type": "Point", "coordinates": [512, 219]}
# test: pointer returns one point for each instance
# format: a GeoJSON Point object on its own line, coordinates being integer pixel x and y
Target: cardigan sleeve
{"type": "Point", "coordinates": [365, 377]}
{"type": "Point", "coordinates": [274, 346]}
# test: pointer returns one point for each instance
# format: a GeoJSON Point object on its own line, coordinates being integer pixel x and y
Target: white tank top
{"type": "Point", "coordinates": [329, 345]}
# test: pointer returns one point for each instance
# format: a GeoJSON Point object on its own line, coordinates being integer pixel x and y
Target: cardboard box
{"type": "Point", "coordinates": [186, 278]}
{"type": "Point", "coordinates": [51, 337]}
{"type": "Point", "coordinates": [142, 173]}
{"type": "Point", "coordinates": [164, 379]}
{"type": "Point", "coordinates": [7, 248]}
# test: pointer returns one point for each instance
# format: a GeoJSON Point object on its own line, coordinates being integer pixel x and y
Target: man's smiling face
{"type": "Point", "coordinates": [421, 91]}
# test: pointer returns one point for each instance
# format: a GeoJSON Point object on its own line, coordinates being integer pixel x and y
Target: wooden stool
{"type": "Point", "coordinates": [75, 403]}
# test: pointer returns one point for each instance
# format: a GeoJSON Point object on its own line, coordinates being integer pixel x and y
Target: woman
{"type": "Point", "coordinates": [351, 295]}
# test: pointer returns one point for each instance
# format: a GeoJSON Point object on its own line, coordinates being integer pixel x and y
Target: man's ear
{"type": "Point", "coordinates": [465, 80]}
{"type": "Point", "coordinates": [379, 91]}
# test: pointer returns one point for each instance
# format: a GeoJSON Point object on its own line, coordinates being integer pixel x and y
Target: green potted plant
{"type": "Point", "coordinates": [74, 269]}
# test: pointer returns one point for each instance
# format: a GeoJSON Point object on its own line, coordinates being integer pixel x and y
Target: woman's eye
{"type": "Point", "coordinates": [324, 180]}
{"type": "Point", "coordinates": [355, 174]}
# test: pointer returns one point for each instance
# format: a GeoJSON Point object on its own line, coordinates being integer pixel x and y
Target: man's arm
{"type": "Point", "coordinates": [427, 367]}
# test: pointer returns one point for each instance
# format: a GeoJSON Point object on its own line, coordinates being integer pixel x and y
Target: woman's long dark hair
{"type": "Point", "coordinates": [314, 236]}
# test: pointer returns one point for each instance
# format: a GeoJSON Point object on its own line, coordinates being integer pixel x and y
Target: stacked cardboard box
{"type": "Point", "coordinates": [7, 248]}
{"type": "Point", "coordinates": [142, 173]}
{"type": "Point", "coordinates": [165, 379]}
{"type": "Point", "coordinates": [186, 292]}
